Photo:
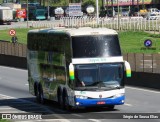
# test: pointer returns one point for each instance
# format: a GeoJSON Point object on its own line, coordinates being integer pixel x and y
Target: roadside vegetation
{"type": "Point", "coordinates": [3, 120]}
{"type": "Point", "coordinates": [131, 42]}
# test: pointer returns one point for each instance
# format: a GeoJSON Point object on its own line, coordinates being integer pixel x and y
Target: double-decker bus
{"type": "Point", "coordinates": [77, 67]}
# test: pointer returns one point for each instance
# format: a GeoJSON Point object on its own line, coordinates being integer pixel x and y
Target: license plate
{"type": "Point", "coordinates": [100, 103]}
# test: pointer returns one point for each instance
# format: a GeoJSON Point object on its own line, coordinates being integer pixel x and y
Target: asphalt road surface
{"type": "Point", "coordinates": [15, 98]}
{"type": "Point", "coordinates": [29, 23]}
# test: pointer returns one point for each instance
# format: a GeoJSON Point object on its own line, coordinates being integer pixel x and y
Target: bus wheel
{"type": "Point", "coordinates": [66, 102]}
{"type": "Point", "coordinates": [111, 107]}
{"type": "Point", "coordinates": [37, 94]}
{"type": "Point", "coordinates": [60, 100]}
{"type": "Point", "coordinates": [41, 96]}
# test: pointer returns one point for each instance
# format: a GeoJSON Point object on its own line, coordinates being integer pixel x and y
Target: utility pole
{"type": "Point", "coordinates": [132, 7]}
{"type": "Point", "coordinates": [97, 12]}
{"type": "Point", "coordinates": [112, 7]}
{"type": "Point", "coordinates": [138, 4]}
{"type": "Point", "coordinates": [27, 13]}
{"type": "Point", "coordinates": [118, 16]}
{"type": "Point", "coordinates": [48, 10]}
{"type": "Point", "coordinates": [143, 4]}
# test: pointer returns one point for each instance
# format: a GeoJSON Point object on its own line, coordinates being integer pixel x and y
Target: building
{"type": "Point", "coordinates": [131, 5]}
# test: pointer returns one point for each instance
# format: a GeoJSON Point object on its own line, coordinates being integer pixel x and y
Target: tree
{"type": "Point", "coordinates": [88, 2]}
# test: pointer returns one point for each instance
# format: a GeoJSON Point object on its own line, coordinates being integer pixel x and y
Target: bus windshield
{"type": "Point", "coordinates": [95, 46]}
{"type": "Point", "coordinates": [99, 76]}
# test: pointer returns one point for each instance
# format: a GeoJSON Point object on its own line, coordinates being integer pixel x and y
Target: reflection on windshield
{"type": "Point", "coordinates": [99, 76]}
{"type": "Point", "coordinates": [95, 46]}
{"type": "Point", "coordinates": [87, 75]}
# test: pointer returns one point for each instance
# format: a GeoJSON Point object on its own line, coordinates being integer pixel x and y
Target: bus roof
{"type": "Point", "coordinates": [77, 31]}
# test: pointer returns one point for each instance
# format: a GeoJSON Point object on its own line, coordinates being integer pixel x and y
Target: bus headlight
{"type": "Point", "coordinates": [81, 97]}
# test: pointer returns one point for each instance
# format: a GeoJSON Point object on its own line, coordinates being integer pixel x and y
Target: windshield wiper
{"type": "Point", "coordinates": [85, 88]}
{"type": "Point", "coordinates": [81, 88]}
{"type": "Point", "coordinates": [96, 83]}
{"type": "Point", "coordinates": [114, 87]}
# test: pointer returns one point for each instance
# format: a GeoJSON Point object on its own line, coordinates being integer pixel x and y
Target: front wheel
{"type": "Point", "coordinates": [60, 100]}
{"type": "Point", "coordinates": [66, 102]}
{"type": "Point", "coordinates": [111, 107]}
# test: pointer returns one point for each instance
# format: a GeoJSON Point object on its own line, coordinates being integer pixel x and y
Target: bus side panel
{"type": "Point", "coordinates": [33, 70]}
{"type": "Point", "coordinates": [52, 72]}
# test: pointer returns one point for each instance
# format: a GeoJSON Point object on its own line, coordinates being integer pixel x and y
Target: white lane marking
{"type": "Point", "coordinates": [5, 108]}
{"type": "Point", "coordinates": [27, 84]}
{"type": "Point", "coordinates": [3, 67]}
{"type": "Point", "coordinates": [5, 96]}
{"type": "Point", "coordinates": [77, 115]}
{"type": "Point", "coordinates": [141, 89]}
{"type": "Point", "coordinates": [94, 120]}
{"type": "Point", "coordinates": [128, 104]}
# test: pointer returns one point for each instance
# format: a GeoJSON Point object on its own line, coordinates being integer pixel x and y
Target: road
{"type": "Point", "coordinates": [35, 24]}
{"type": "Point", "coordinates": [15, 98]}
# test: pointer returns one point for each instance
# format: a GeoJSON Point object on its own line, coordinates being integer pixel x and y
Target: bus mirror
{"type": "Point", "coordinates": [128, 69]}
{"type": "Point", "coordinates": [71, 71]}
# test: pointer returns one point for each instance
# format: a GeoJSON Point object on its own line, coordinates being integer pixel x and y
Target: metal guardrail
{"type": "Point", "coordinates": [139, 62]}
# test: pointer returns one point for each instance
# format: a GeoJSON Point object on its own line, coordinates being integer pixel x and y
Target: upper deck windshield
{"type": "Point", "coordinates": [99, 76]}
{"type": "Point", "coordinates": [95, 46]}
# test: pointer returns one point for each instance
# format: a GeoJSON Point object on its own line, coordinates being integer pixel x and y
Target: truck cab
{"type": "Point", "coordinates": [37, 13]}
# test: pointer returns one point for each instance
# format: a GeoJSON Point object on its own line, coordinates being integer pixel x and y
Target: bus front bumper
{"type": "Point", "coordinates": [99, 101]}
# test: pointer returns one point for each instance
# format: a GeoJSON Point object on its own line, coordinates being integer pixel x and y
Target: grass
{"type": "Point", "coordinates": [131, 42]}
{"type": "Point", "coordinates": [3, 120]}
{"type": "Point", "coordinates": [21, 33]}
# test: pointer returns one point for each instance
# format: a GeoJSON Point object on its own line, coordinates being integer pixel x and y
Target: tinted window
{"type": "Point", "coordinates": [46, 42]}
{"type": "Point", "coordinates": [95, 46]}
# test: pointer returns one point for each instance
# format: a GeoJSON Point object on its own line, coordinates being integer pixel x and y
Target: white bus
{"type": "Point", "coordinates": [77, 67]}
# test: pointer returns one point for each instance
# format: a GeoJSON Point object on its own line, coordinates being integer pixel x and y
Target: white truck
{"type": "Point", "coordinates": [6, 15]}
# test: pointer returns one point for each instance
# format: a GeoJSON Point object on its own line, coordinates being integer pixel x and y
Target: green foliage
{"type": "Point", "coordinates": [88, 2]}
{"type": "Point", "coordinates": [155, 35]}
{"type": "Point", "coordinates": [58, 2]}
{"type": "Point", "coordinates": [20, 33]}
{"type": "Point", "coordinates": [3, 120]}
{"type": "Point", "coordinates": [132, 42]}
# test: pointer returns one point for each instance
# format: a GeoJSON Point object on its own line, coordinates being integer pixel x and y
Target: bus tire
{"type": "Point", "coordinates": [66, 102]}
{"type": "Point", "coordinates": [60, 99]}
{"type": "Point", "coordinates": [111, 107]}
{"type": "Point", "coordinates": [36, 89]}
{"type": "Point", "coordinates": [41, 96]}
